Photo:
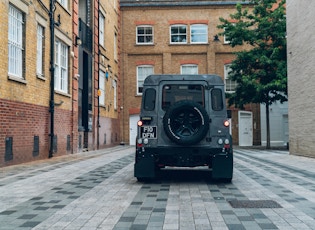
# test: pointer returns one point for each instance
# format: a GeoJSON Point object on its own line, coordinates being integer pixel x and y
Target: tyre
{"type": "Point", "coordinates": [186, 123]}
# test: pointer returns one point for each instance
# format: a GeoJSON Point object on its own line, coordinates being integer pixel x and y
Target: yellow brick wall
{"type": "Point", "coordinates": [32, 89]}
{"type": "Point", "coordinates": [107, 57]}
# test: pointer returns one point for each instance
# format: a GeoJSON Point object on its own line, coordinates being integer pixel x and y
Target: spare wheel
{"type": "Point", "coordinates": [186, 122]}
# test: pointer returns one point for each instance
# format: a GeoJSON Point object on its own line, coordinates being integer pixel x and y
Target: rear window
{"type": "Point", "coordinates": [216, 99]}
{"type": "Point", "coordinates": [174, 93]}
{"type": "Point", "coordinates": [149, 99]}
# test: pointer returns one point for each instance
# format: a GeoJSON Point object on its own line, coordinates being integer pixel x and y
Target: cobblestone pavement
{"type": "Point", "coordinates": [97, 190]}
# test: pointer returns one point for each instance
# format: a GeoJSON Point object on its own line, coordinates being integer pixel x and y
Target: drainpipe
{"type": "Point", "coordinates": [52, 76]}
{"type": "Point", "coordinates": [98, 85]}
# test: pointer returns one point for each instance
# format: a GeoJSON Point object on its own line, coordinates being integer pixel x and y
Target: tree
{"type": "Point", "coordinates": [261, 71]}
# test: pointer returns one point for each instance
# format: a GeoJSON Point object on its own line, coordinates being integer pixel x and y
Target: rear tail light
{"type": "Point", "coordinates": [226, 123]}
{"type": "Point", "coordinates": [140, 123]}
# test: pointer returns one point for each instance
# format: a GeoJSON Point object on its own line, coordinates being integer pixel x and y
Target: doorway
{"type": "Point", "coordinates": [245, 129]}
{"type": "Point", "coordinates": [133, 119]}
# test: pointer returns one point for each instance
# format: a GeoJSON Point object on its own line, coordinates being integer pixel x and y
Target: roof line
{"type": "Point", "coordinates": [192, 3]}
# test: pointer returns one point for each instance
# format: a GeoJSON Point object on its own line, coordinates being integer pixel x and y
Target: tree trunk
{"type": "Point", "coordinates": [267, 126]}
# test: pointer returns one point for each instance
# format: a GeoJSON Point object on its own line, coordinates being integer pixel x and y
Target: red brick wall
{"type": "Point", "coordinates": [22, 122]}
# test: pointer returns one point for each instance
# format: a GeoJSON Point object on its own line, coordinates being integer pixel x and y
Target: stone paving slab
{"type": "Point", "coordinates": [97, 190]}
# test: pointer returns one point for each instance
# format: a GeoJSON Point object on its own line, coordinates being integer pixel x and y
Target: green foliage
{"type": "Point", "coordinates": [261, 71]}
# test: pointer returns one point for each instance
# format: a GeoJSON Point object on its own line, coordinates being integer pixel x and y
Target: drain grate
{"type": "Point", "coordinates": [254, 204]}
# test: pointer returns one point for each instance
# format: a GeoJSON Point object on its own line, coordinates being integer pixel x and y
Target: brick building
{"type": "Point", "coordinates": [301, 45]}
{"type": "Point", "coordinates": [48, 111]}
{"type": "Point", "coordinates": [173, 37]}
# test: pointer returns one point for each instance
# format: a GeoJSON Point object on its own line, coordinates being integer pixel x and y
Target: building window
{"type": "Point", "coordinates": [199, 33]}
{"type": "Point", "coordinates": [40, 51]}
{"type": "Point", "coordinates": [189, 69]}
{"type": "Point", "coordinates": [115, 47]}
{"type": "Point", "coordinates": [144, 35]}
{"type": "Point", "coordinates": [15, 42]}
{"type": "Point", "coordinates": [102, 30]}
{"type": "Point", "coordinates": [178, 34]}
{"type": "Point", "coordinates": [115, 93]}
{"type": "Point", "coordinates": [101, 98]}
{"type": "Point", "coordinates": [142, 72]}
{"type": "Point", "coordinates": [61, 66]}
{"type": "Point", "coordinates": [64, 3]}
{"type": "Point", "coordinates": [225, 40]}
{"type": "Point", "coordinates": [230, 85]}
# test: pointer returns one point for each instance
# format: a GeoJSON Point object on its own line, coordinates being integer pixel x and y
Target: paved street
{"type": "Point", "coordinates": [97, 190]}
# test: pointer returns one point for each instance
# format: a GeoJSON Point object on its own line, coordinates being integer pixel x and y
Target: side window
{"type": "Point", "coordinates": [144, 35]}
{"type": "Point", "coordinates": [178, 34]}
{"type": "Point", "coordinates": [149, 99]}
{"type": "Point", "coordinates": [216, 99]}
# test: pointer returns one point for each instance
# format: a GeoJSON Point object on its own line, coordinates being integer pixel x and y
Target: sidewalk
{"type": "Point", "coordinates": [97, 190]}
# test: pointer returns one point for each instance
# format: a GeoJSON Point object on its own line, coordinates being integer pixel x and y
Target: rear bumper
{"type": "Point", "coordinates": [149, 159]}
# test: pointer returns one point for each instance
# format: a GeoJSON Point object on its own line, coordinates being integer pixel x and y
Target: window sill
{"type": "Point", "coordinates": [62, 93]}
{"type": "Point", "coordinates": [188, 44]}
{"type": "Point", "coordinates": [17, 79]}
{"type": "Point", "coordinates": [144, 44]}
{"type": "Point", "coordinates": [41, 77]}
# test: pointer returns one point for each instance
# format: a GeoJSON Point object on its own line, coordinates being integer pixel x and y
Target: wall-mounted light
{"type": "Point", "coordinates": [216, 38]}
{"type": "Point", "coordinates": [58, 22]}
{"type": "Point", "coordinates": [78, 41]}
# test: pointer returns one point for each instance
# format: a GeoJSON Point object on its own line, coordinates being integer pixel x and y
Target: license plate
{"type": "Point", "coordinates": [148, 132]}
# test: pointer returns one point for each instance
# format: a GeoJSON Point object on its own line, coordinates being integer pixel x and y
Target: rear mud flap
{"type": "Point", "coordinates": [145, 167]}
{"type": "Point", "coordinates": [222, 166]}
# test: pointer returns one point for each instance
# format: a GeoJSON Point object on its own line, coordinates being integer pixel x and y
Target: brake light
{"type": "Point", "coordinates": [226, 123]}
{"type": "Point", "coordinates": [140, 123]}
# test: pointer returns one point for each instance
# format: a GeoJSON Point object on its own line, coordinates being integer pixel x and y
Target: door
{"type": "Point", "coordinates": [245, 128]}
{"type": "Point", "coordinates": [133, 119]}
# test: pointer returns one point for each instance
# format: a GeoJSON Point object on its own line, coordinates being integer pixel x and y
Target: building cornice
{"type": "Point", "coordinates": [167, 3]}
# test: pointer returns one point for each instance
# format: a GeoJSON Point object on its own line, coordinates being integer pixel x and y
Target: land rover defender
{"type": "Point", "coordinates": [183, 123]}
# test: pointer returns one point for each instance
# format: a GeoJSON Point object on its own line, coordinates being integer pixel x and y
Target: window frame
{"type": "Point", "coordinates": [140, 79]}
{"type": "Point", "coordinates": [228, 81]}
{"type": "Point", "coordinates": [102, 88]}
{"type": "Point", "coordinates": [144, 35]}
{"type": "Point", "coordinates": [64, 3]}
{"type": "Point", "coordinates": [101, 29]}
{"type": "Point", "coordinates": [16, 42]}
{"type": "Point", "coordinates": [205, 33]}
{"type": "Point", "coordinates": [40, 54]}
{"type": "Point", "coordinates": [178, 34]}
{"type": "Point", "coordinates": [114, 85]}
{"type": "Point", "coordinates": [61, 66]}
{"type": "Point", "coordinates": [115, 47]}
{"type": "Point", "coordinates": [188, 65]}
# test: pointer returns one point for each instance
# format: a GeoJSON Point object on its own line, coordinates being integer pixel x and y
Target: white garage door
{"type": "Point", "coordinates": [133, 119]}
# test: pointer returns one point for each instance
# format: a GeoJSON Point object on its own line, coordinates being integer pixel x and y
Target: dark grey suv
{"type": "Point", "coordinates": [183, 123]}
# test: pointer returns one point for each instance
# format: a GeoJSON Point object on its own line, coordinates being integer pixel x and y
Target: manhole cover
{"type": "Point", "coordinates": [254, 204]}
